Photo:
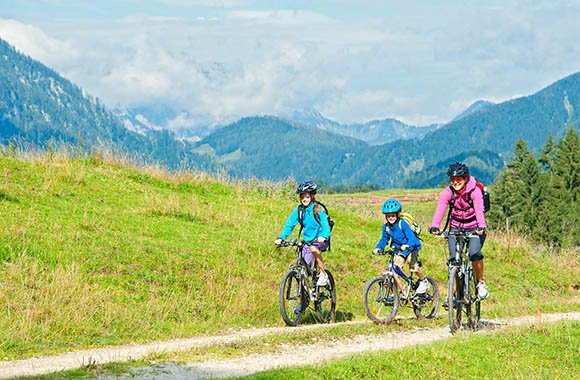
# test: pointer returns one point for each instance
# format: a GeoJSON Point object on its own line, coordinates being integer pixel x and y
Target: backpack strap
{"type": "Point", "coordinates": [452, 207]}
{"type": "Point", "coordinates": [300, 218]}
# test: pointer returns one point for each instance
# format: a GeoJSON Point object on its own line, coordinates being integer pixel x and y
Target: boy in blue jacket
{"type": "Point", "coordinates": [315, 228]}
{"type": "Point", "coordinates": [402, 237]}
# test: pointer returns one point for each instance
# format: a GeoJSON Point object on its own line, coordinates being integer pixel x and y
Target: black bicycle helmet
{"type": "Point", "coordinates": [307, 187]}
{"type": "Point", "coordinates": [458, 169]}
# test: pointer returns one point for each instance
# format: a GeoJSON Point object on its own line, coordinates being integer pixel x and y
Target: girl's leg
{"type": "Point", "coordinates": [318, 257]}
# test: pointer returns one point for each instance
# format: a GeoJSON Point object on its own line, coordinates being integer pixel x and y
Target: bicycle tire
{"type": "Point", "coordinates": [454, 299]}
{"type": "Point", "coordinates": [291, 295]}
{"type": "Point", "coordinates": [426, 305]}
{"type": "Point", "coordinates": [325, 307]}
{"type": "Point", "coordinates": [473, 319]}
{"type": "Point", "coordinates": [379, 289]}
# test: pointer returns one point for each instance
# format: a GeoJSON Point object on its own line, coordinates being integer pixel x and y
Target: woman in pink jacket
{"type": "Point", "coordinates": [467, 213]}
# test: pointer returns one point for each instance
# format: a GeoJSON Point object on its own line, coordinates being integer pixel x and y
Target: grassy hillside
{"type": "Point", "coordinates": [95, 252]}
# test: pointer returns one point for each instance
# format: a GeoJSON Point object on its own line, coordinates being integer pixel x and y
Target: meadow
{"type": "Point", "coordinates": [95, 251]}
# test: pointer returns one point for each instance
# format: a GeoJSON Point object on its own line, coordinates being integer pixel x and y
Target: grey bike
{"type": "Point", "coordinates": [462, 297]}
{"type": "Point", "coordinates": [298, 290]}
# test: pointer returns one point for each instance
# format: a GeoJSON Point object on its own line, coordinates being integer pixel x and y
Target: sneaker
{"type": "Point", "coordinates": [482, 290]}
{"type": "Point", "coordinates": [446, 303]}
{"type": "Point", "coordinates": [322, 279]}
{"type": "Point", "coordinates": [423, 287]}
{"type": "Point", "coordinates": [298, 308]}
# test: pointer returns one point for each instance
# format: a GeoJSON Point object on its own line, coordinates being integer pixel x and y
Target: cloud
{"type": "Point", "coordinates": [284, 17]}
{"type": "Point", "coordinates": [34, 43]}
{"type": "Point", "coordinates": [206, 3]}
{"type": "Point", "coordinates": [415, 62]}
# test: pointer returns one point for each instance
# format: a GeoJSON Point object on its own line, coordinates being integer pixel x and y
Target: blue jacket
{"type": "Point", "coordinates": [399, 236]}
{"type": "Point", "coordinates": [312, 229]}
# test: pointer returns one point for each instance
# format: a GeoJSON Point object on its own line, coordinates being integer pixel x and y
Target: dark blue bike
{"type": "Point", "coordinates": [382, 297]}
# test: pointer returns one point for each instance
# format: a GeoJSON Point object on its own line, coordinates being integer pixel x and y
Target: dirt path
{"type": "Point", "coordinates": [376, 200]}
{"type": "Point", "coordinates": [289, 355]}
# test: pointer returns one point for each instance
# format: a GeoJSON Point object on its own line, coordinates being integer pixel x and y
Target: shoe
{"type": "Point", "coordinates": [482, 292]}
{"type": "Point", "coordinates": [322, 279]}
{"type": "Point", "coordinates": [423, 287]}
{"type": "Point", "coordinates": [298, 308]}
{"type": "Point", "coordinates": [446, 304]}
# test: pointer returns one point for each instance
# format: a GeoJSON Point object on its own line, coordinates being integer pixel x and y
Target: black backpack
{"type": "Point", "coordinates": [486, 203]}
{"type": "Point", "coordinates": [317, 217]}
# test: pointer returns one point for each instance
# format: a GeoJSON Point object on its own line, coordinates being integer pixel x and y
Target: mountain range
{"type": "Point", "coordinates": [38, 106]}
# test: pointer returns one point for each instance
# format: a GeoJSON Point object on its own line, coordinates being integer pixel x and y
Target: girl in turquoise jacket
{"type": "Point", "coordinates": [315, 228]}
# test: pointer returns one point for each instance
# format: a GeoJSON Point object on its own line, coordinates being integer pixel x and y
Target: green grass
{"type": "Point", "coordinates": [97, 253]}
{"type": "Point", "coordinates": [534, 352]}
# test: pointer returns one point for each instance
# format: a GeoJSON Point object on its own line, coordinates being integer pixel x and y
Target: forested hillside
{"type": "Point", "coordinates": [38, 107]}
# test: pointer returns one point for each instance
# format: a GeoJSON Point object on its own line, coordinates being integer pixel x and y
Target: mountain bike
{"type": "Point", "coordinates": [462, 297]}
{"type": "Point", "coordinates": [382, 298]}
{"type": "Point", "coordinates": [298, 290]}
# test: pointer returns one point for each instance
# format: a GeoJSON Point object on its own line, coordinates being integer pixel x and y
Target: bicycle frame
{"type": "Point", "coordinates": [393, 269]}
{"type": "Point", "coordinates": [460, 274]}
{"type": "Point", "coordinates": [306, 274]}
{"type": "Point", "coordinates": [466, 271]}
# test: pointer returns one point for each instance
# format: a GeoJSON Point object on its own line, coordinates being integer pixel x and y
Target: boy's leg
{"type": "Point", "coordinates": [414, 264]}
{"type": "Point", "coordinates": [399, 261]}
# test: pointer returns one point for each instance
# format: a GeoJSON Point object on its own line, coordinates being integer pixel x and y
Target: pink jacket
{"type": "Point", "coordinates": [461, 202]}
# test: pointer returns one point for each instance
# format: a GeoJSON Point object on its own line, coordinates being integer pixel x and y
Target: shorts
{"type": "Point", "coordinates": [307, 254]}
{"type": "Point", "coordinates": [475, 245]}
{"type": "Point", "coordinates": [413, 257]}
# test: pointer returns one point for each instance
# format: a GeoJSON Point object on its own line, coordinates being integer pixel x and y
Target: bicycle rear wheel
{"type": "Point", "coordinates": [326, 304]}
{"type": "Point", "coordinates": [473, 308]}
{"type": "Point", "coordinates": [292, 298]}
{"type": "Point", "coordinates": [426, 305]}
{"type": "Point", "coordinates": [381, 299]}
{"type": "Point", "coordinates": [454, 298]}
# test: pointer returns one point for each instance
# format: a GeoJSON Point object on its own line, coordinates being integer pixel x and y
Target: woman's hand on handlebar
{"type": "Point", "coordinates": [434, 231]}
{"type": "Point", "coordinates": [278, 242]}
{"type": "Point", "coordinates": [404, 247]}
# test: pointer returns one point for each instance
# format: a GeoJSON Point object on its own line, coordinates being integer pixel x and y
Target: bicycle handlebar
{"type": "Point", "coordinates": [391, 252]}
{"type": "Point", "coordinates": [464, 234]}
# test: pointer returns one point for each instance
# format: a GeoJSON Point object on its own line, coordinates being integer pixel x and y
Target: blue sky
{"type": "Point", "coordinates": [214, 61]}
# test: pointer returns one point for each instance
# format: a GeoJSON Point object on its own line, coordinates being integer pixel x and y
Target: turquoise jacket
{"type": "Point", "coordinates": [312, 229]}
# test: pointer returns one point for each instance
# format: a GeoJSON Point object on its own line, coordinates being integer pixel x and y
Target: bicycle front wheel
{"type": "Point", "coordinates": [326, 300]}
{"type": "Point", "coordinates": [381, 299]}
{"type": "Point", "coordinates": [426, 305]}
{"type": "Point", "coordinates": [455, 298]}
{"type": "Point", "coordinates": [292, 298]}
{"type": "Point", "coordinates": [473, 308]}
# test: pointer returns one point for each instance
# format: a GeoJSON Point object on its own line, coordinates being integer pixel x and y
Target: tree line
{"type": "Point", "coordinates": [539, 194]}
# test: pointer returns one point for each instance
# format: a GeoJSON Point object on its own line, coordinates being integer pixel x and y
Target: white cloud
{"type": "Point", "coordinates": [285, 17]}
{"type": "Point", "coordinates": [418, 63]}
{"type": "Point", "coordinates": [206, 3]}
{"type": "Point", "coordinates": [36, 44]}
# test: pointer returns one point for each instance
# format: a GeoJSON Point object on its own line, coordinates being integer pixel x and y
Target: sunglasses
{"type": "Point", "coordinates": [457, 180]}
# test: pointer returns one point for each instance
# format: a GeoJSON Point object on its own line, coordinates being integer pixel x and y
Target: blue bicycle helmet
{"type": "Point", "coordinates": [392, 205]}
{"type": "Point", "coordinates": [307, 187]}
{"type": "Point", "coordinates": [458, 169]}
